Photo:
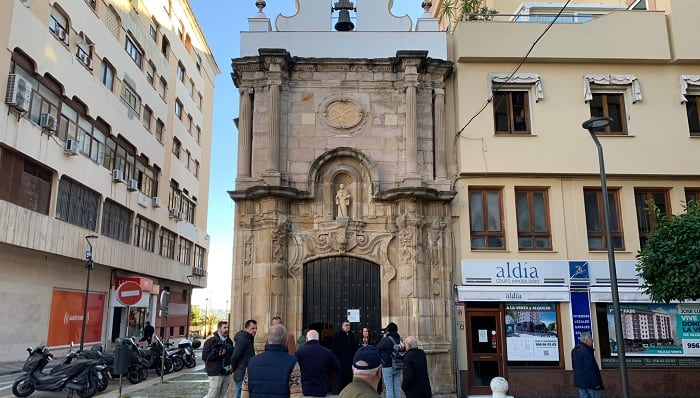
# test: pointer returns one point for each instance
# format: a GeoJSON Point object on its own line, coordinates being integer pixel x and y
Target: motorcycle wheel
{"type": "Point", "coordinates": [102, 382]}
{"type": "Point", "coordinates": [190, 362]}
{"type": "Point", "coordinates": [178, 364]}
{"type": "Point", "coordinates": [90, 388]}
{"type": "Point", "coordinates": [168, 367]}
{"type": "Point", "coordinates": [134, 375]}
{"type": "Point", "coordinates": [23, 387]}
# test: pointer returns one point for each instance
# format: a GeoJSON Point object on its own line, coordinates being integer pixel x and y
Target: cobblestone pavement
{"type": "Point", "coordinates": [193, 384]}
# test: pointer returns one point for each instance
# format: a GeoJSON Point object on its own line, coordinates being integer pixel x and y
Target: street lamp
{"type": "Point", "coordinates": [592, 125]}
{"type": "Point", "coordinates": [89, 265]}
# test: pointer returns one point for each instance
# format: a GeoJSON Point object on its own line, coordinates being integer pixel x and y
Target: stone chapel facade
{"type": "Point", "coordinates": [342, 196]}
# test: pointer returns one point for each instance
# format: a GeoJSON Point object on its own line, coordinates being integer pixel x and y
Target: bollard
{"type": "Point", "coordinates": [499, 387]}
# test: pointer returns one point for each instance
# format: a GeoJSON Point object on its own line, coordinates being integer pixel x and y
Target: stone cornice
{"type": "Point", "coordinates": [417, 193]}
{"type": "Point", "coordinates": [267, 191]}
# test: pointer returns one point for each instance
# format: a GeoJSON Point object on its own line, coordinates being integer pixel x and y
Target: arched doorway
{"type": "Point", "coordinates": [334, 285]}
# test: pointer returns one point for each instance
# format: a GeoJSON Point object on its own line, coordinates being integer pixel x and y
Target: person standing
{"type": "Point", "coordinates": [274, 373]}
{"type": "Point", "coordinates": [315, 361]}
{"type": "Point", "coordinates": [290, 341]}
{"type": "Point", "coordinates": [366, 338]}
{"type": "Point", "coordinates": [148, 332]}
{"type": "Point", "coordinates": [392, 376]}
{"type": "Point", "coordinates": [344, 347]}
{"type": "Point", "coordinates": [367, 371]}
{"type": "Point", "coordinates": [586, 372]}
{"type": "Point", "coordinates": [216, 355]}
{"type": "Point", "coordinates": [415, 383]}
{"type": "Point", "coordinates": [243, 352]}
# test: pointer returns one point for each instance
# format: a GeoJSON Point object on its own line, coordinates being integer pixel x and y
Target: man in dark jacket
{"type": "Point", "coordinates": [344, 347]}
{"type": "Point", "coordinates": [391, 376]}
{"type": "Point", "coordinates": [243, 352]}
{"type": "Point", "coordinates": [315, 361]}
{"type": "Point", "coordinates": [416, 383]}
{"type": "Point", "coordinates": [586, 372]}
{"type": "Point", "coordinates": [274, 373]}
{"type": "Point", "coordinates": [216, 355]}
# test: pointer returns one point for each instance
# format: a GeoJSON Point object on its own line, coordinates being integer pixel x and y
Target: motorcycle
{"type": "Point", "coordinates": [78, 376]}
{"type": "Point", "coordinates": [189, 347]}
{"type": "Point", "coordinates": [176, 355]}
{"type": "Point", "coordinates": [102, 370]}
{"type": "Point", "coordinates": [152, 356]}
{"type": "Point", "coordinates": [138, 364]}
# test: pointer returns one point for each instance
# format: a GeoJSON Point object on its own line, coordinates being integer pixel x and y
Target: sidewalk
{"type": "Point", "coordinates": [192, 384]}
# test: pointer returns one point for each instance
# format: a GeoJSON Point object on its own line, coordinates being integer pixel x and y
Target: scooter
{"type": "Point", "coordinates": [101, 370]}
{"type": "Point", "coordinates": [153, 355]}
{"type": "Point", "coordinates": [176, 355]}
{"type": "Point", "coordinates": [189, 347]}
{"type": "Point", "coordinates": [78, 376]}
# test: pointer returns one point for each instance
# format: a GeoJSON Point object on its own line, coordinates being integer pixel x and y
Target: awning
{"type": "Point", "coordinates": [512, 293]}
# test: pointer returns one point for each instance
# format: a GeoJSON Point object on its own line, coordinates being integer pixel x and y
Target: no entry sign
{"type": "Point", "coordinates": [129, 293]}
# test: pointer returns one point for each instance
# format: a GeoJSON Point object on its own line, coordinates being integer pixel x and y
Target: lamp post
{"type": "Point", "coordinates": [592, 125]}
{"type": "Point", "coordinates": [89, 265]}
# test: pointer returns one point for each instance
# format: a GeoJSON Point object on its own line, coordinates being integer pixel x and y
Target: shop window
{"type": "Point", "coordinates": [532, 334]}
{"type": "Point", "coordinates": [77, 204]}
{"type": "Point", "coordinates": [144, 234]}
{"type": "Point", "coordinates": [486, 218]}
{"type": "Point", "coordinates": [647, 203]}
{"type": "Point", "coordinates": [595, 222]}
{"type": "Point", "coordinates": [532, 212]}
{"type": "Point", "coordinates": [116, 221]}
{"type": "Point", "coordinates": [25, 182]}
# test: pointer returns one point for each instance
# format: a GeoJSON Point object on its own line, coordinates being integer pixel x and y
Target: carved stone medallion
{"type": "Point", "coordinates": [343, 114]}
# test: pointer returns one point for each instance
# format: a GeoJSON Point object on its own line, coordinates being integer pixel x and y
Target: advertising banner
{"type": "Point", "coordinates": [580, 313]}
{"type": "Point", "coordinates": [531, 331]}
{"type": "Point", "coordinates": [657, 329]}
{"type": "Point", "coordinates": [66, 319]}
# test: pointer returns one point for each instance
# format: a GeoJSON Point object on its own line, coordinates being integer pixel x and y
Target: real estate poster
{"type": "Point", "coordinates": [531, 332]}
{"type": "Point", "coordinates": [66, 320]}
{"type": "Point", "coordinates": [657, 329]}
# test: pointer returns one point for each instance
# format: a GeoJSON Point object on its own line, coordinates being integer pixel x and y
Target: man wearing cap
{"type": "Point", "coordinates": [367, 371]}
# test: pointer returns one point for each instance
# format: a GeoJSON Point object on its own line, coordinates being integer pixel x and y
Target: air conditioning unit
{"type": "Point", "coordinates": [155, 201]}
{"type": "Point", "coordinates": [175, 213]}
{"type": "Point", "coordinates": [117, 175]}
{"type": "Point", "coordinates": [19, 92]}
{"type": "Point", "coordinates": [133, 185]}
{"type": "Point", "coordinates": [47, 121]}
{"type": "Point", "coordinates": [72, 147]}
{"type": "Point", "coordinates": [61, 33]}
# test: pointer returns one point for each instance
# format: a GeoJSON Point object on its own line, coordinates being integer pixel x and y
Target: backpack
{"type": "Point", "coordinates": [397, 354]}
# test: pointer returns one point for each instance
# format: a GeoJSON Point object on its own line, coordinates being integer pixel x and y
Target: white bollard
{"type": "Point", "coordinates": [499, 387]}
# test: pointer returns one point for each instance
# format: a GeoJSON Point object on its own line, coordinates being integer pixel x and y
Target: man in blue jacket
{"type": "Point", "coordinates": [586, 372]}
{"type": "Point", "coordinates": [274, 373]}
{"type": "Point", "coordinates": [315, 361]}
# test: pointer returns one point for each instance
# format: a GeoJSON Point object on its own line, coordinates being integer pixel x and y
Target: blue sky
{"type": "Point", "coordinates": [221, 22]}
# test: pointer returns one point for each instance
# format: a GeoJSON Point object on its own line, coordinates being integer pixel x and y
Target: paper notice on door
{"type": "Point", "coordinates": [483, 336]}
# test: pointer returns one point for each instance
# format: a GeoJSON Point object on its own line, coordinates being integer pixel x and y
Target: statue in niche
{"type": "Point", "coordinates": [342, 199]}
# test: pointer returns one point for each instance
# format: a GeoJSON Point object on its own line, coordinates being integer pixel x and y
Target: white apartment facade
{"type": "Point", "coordinates": [105, 141]}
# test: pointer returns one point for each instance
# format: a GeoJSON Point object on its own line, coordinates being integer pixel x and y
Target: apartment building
{"type": "Point", "coordinates": [530, 234]}
{"type": "Point", "coordinates": [104, 160]}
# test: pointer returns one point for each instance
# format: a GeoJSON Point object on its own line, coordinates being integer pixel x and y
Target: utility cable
{"type": "Point", "coordinates": [515, 70]}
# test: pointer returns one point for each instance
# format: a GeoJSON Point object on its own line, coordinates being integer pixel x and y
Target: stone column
{"type": "Point", "coordinates": [245, 133]}
{"type": "Point", "coordinates": [440, 145]}
{"type": "Point", "coordinates": [276, 62]}
{"type": "Point", "coordinates": [410, 62]}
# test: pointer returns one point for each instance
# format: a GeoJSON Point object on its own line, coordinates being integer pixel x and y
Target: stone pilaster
{"type": "Point", "coordinates": [245, 133]}
{"type": "Point", "coordinates": [410, 62]}
{"type": "Point", "coordinates": [439, 121]}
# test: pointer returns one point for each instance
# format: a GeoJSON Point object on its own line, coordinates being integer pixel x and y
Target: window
{"type": "Point", "coordinates": [180, 72]}
{"type": "Point", "coordinates": [692, 195]}
{"type": "Point", "coordinates": [190, 88]}
{"type": "Point", "coordinates": [178, 109]}
{"type": "Point", "coordinates": [25, 182]}
{"type": "Point", "coordinates": [165, 47]}
{"type": "Point", "coordinates": [134, 50]}
{"type": "Point", "coordinates": [45, 94]}
{"type": "Point", "coordinates": [159, 130]}
{"type": "Point", "coordinates": [199, 63]}
{"type": "Point", "coordinates": [153, 30]}
{"type": "Point", "coordinates": [199, 134]}
{"type": "Point", "coordinates": [511, 112]}
{"type": "Point", "coordinates": [188, 207]}
{"type": "Point", "coordinates": [199, 256]}
{"type": "Point", "coordinates": [120, 156]}
{"type": "Point", "coordinates": [77, 204]}
{"type": "Point", "coordinates": [146, 177]}
{"type": "Point", "coordinates": [163, 87]}
{"type": "Point", "coordinates": [531, 207]}
{"type": "Point", "coordinates": [83, 51]}
{"type": "Point", "coordinates": [131, 99]}
{"type": "Point", "coordinates": [196, 168]}
{"type": "Point", "coordinates": [486, 220]}
{"type": "Point", "coordinates": [147, 117]}
{"type": "Point", "coordinates": [611, 105]}
{"type": "Point", "coordinates": [595, 222]}
{"type": "Point", "coordinates": [177, 147]}
{"type": "Point", "coordinates": [116, 221]}
{"type": "Point", "coordinates": [186, 161]}
{"type": "Point", "coordinates": [150, 72]}
{"type": "Point", "coordinates": [189, 123]}
{"type": "Point", "coordinates": [166, 244]}
{"type": "Point", "coordinates": [691, 108]}
{"type": "Point", "coordinates": [74, 124]}
{"type": "Point", "coordinates": [91, 3]}
{"type": "Point", "coordinates": [58, 25]}
{"type": "Point", "coordinates": [107, 75]}
{"type": "Point", "coordinates": [646, 203]}
{"type": "Point", "coordinates": [185, 251]}
{"type": "Point", "coordinates": [144, 234]}
{"type": "Point", "coordinates": [199, 100]}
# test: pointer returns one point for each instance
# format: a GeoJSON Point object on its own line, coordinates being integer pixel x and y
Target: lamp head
{"type": "Point", "coordinates": [597, 123]}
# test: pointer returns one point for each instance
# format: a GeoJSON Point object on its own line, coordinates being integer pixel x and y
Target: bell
{"type": "Point", "coordinates": [344, 23]}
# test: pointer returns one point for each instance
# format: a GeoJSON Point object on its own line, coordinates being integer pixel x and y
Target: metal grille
{"type": "Point", "coordinates": [334, 285]}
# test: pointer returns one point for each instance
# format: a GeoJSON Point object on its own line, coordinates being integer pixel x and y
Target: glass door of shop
{"type": "Point", "coordinates": [485, 349]}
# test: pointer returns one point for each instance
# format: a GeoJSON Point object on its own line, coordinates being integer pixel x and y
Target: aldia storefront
{"type": "Point", "coordinates": [519, 319]}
